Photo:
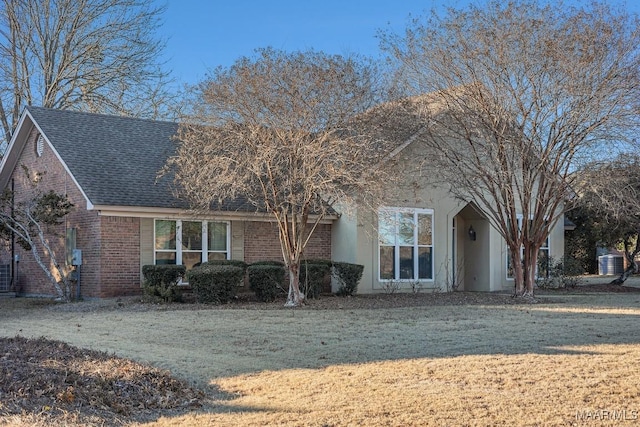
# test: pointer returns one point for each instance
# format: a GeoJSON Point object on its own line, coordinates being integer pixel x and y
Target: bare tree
{"type": "Point", "coordinates": [93, 55]}
{"type": "Point", "coordinates": [611, 196]}
{"type": "Point", "coordinates": [530, 93]}
{"type": "Point", "coordinates": [275, 130]}
{"type": "Point", "coordinates": [32, 223]}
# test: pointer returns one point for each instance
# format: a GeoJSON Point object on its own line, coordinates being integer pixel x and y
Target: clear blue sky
{"type": "Point", "coordinates": [203, 34]}
{"type": "Point", "coordinates": [206, 33]}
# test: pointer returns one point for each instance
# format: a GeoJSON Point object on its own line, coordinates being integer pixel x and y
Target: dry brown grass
{"type": "Point", "coordinates": [563, 361]}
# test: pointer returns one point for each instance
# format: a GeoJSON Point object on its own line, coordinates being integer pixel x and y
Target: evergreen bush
{"type": "Point", "coordinates": [162, 281]}
{"type": "Point", "coordinates": [347, 276]}
{"type": "Point", "coordinates": [313, 275]}
{"type": "Point", "coordinates": [268, 262]}
{"type": "Point", "coordinates": [234, 262]}
{"type": "Point", "coordinates": [266, 280]}
{"type": "Point", "coordinates": [215, 284]}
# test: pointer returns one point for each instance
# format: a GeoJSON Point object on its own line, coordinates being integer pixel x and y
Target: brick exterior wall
{"type": "Point", "coordinates": [261, 242]}
{"type": "Point", "coordinates": [110, 245]}
{"type": "Point", "coordinates": [31, 280]}
{"type": "Point", "coordinates": [120, 237]}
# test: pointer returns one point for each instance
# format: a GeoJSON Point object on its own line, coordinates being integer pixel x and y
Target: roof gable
{"type": "Point", "coordinates": [115, 160]}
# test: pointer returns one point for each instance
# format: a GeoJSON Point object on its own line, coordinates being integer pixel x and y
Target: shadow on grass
{"type": "Point", "coordinates": [209, 344]}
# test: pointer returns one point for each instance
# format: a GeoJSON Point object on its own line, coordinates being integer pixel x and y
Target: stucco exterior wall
{"type": "Point", "coordinates": [458, 261]}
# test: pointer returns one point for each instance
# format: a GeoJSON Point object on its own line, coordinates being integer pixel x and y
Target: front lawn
{"type": "Point", "coordinates": [441, 359]}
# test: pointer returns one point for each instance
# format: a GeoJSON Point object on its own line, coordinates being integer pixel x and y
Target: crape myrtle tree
{"type": "Point", "coordinates": [611, 198]}
{"type": "Point", "coordinates": [91, 55]}
{"type": "Point", "coordinates": [33, 223]}
{"type": "Point", "coordinates": [276, 129]}
{"type": "Point", "coordinates": [531, 92]}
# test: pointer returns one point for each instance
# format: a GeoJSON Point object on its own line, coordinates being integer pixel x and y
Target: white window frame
{"type": "Point", "coordinates": [542, 248]}
{"type": "Point", "coordinates": [205, 242]}
{"type": "Point", "coordinates": [416, 261]}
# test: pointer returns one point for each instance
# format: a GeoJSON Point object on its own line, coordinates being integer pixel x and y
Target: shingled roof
{"type": "Point", "coordinates": [116, 159]}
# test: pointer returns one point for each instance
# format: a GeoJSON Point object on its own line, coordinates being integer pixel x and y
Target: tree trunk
{"type": "Point", "coordinates": [630, 256]}
{"type": "Point", "coordinates": [295, 298]}
{"type": "Point", "coordinates": [524, 270]}
{"type": "Point", "coordinates": [624, 276]}
{"type": "Point", "coordinates": [518, 276]}
{"type": "Point", "coordinates": [530, 268]}
{"type": "Point", "coordinates": [36, 256]}
{"type": "Point", "coordinates": [65, 294]}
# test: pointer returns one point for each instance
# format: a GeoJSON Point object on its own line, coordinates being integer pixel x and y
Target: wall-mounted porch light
{"type": "Point", "coordinates": [472, 233]}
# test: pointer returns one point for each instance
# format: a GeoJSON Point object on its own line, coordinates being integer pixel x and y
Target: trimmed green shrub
{"type": "Point", "coordinates": [268, 262]}
{"type": "Point", "coordinates": [347, 277]}
{"type": "Point", "coordinates": [313, 275]}
{"type": "Point", "coordinates": [234, 262]}
{"type": "Point", "coordinates": [266, 281]}
{"type": "Point", "coordinates": [215, 284]}
{"type": "Point", "coordinates": [162, 281]}
{"type": "Point", "coordinates": [321, 261]}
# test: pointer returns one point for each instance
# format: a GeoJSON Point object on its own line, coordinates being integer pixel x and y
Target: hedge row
{"type": "Point", "coordinates": [266, 281]}
{"type": "Point", "coordinates": [217, 281]}
{"type": "Point", "coordinates": [161, 281]}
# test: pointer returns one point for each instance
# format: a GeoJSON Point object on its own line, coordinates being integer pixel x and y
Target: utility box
{"type": "Point", "coordinates": [76, 257]}
{"type": "Point", "coordinates": [610, 264]}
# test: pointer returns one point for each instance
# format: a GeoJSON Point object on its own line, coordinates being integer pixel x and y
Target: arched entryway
{"type": "Point", "coordinates": [471, 250]}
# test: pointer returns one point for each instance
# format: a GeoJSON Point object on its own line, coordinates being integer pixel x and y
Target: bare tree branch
{"type": "Point", "coordinates": [611, 196]}
{"type": "Point", "coordinates": [92, 55]}
{"type": "Point", "coordinates": [27, 221]}
{"type": "Point", "coordinates": [521, 96]}
{"type": "Point", "coordinates": [277, 130]}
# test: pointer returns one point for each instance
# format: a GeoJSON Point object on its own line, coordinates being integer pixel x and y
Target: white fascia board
{"type": "Point", "coordinates": [169, 213]}
{"type": "Point", "coordinates": [15, 148]}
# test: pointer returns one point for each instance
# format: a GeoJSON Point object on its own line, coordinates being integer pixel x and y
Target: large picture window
{"type": "Point", "coordinates": [405, 240]}
{"type": "Point", "coordinates": [190, 242]}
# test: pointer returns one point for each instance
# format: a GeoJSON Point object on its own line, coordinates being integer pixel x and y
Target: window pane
{"type": "Point", "coordinates": [192, 235]}
{"type": "Point", "coordinates": [189, 259]}
{"type": "Point", "coordinates": [165, 258]}
{"type": "Point", "coordinates": [387, 255]}
{"type": "Point", "coordinates": [217, 255]}
{"type": "Point", "coordinates": [405, 229]}
{"type": "Point", "coordinates": [386, 228]}
{"type": "Point", "coordinates": [406, 262]}
{"type": "Point", "coordinates": [217, 236]}
{"type": "Point", "coordinates": [165, 234]}
{"type": "Point", "coordinates": [424, 263]}
{"type": "Point", "coordinates": [424, 229]}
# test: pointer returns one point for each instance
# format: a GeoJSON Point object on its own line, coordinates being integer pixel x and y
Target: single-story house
{"type": "Point", "coordinates": [125, 217]}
